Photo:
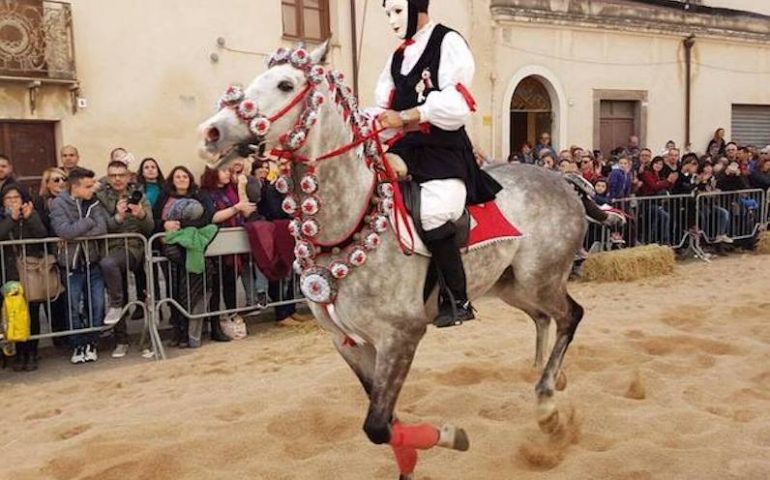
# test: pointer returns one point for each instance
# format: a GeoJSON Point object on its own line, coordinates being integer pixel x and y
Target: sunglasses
{"type": "Point", "coordinates": [57, 180]}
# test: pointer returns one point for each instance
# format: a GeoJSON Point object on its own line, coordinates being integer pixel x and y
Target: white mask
{"type": "Point", "coordinates": [398, 16]}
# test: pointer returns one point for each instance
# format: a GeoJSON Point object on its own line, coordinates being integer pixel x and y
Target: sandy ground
{"type": "Point", "coordinates": [668, 379]}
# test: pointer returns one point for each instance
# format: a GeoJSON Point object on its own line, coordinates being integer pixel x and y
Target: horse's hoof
{"type": "Point", "coordinates": [548, 417]}
{"type": "Point", "coordinates": [561, 381]}
{"type": "Point", "coordinates": [404, 477]}
{"type": "Point", "coordinates": [454, 438]}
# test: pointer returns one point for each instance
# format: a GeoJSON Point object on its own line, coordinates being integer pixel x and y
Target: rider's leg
{"type": "Point", "coordinates": [443, 202]}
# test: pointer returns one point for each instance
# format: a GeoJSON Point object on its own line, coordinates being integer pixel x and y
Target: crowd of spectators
{"type": "Point", "coordinates": [74, 204]}
{"type": "Point", "coordinates": [635, 171]}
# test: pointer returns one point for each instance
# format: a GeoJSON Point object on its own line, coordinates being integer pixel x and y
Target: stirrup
{"type": "Point", "coordinates": [456, 316]}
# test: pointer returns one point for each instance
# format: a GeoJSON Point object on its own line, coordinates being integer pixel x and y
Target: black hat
{"type": "Point", "coordinates": [420, 5]}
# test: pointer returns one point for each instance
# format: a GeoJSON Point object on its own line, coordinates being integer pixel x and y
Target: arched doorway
{"type": "Point", "coordinates": [531, 113]}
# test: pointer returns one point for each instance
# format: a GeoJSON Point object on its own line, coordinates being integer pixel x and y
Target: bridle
{"type": "Point", "coordinates": [319, 282]}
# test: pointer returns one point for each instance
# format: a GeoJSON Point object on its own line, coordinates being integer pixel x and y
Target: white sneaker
{"type": "Point", "coordinates": [90, 353]}
{"type": "Point", "coordinates": [148, 354]}
{"type": "Point", "coordinates": [113, 316]}
{"type": "Point", "coordinates": [78, 355]}
{"type": "Point", "coordinates": [120, 351]}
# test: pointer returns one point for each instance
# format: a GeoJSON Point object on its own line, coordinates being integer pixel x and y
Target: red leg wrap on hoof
{"type": "Point", "coordinates": [406, 459]}
{"type": "Point", "coordinates": [421, 437]}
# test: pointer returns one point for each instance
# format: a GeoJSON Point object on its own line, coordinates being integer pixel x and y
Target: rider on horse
{"type": "Point", "coordinates": [424, 92]}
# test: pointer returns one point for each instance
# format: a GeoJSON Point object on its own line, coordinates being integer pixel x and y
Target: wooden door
{"type": "Point", "coordinates": [31, 146]}
{"type": "Point", "coordinates": [617, 123]}
{"type": "Point", "coordinates": [614, 133]}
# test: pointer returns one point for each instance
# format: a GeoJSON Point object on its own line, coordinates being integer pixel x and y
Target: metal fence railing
{"type": "Point", "coordinates": [664, 220]}
{"type": "Point", "coordinates": [681, 221]}
{"type": "Point", "coordinates": [766, 215]}
{"type": "Point", "coordinates": [738, 215]}
{"type": "Point", "coordinates": [230, 283]}
{"type": "Point", "coordinates": [75, 296]}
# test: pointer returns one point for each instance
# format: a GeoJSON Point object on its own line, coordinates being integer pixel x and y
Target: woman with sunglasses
{"type": "Point", "coordinates": [53, 183]}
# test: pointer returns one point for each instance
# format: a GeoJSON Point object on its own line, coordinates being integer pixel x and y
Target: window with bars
{"type": "Point", "coordinates": [306, 19]}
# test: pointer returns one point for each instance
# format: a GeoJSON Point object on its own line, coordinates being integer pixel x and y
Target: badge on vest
{"type": "Point", "coordinates": [425, 85]}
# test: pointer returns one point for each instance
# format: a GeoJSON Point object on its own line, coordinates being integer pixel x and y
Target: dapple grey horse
{"type": "Point", "coordinates": [383, 300]}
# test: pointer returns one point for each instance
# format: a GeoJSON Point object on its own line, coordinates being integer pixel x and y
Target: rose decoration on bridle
{"type": "Point", "coordinates": [318, 283]}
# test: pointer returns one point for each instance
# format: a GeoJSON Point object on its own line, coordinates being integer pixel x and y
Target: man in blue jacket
{"type": "Point", "coordinates": [75, 214]}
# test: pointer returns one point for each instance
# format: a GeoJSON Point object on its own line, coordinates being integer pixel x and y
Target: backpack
{"type": "Point", "coordinates": [15, 317]}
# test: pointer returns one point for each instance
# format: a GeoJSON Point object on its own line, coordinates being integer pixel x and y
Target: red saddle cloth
{"type": "Point", "coordinates": [489, 225]}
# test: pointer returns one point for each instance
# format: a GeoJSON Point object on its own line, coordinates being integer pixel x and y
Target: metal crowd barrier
{"type": "Point", "coordinates": [228, 262]}
{"type": "Point", "coordinates": [58, 318]}
{"type": "Point", "coordinates": [738, 215]}
{"type": "Point", "coordinates": [680, 221]}
{"type": "Point", "coordinates": [230, 247]}
{"type": "Point", "coordinates": [597, 238]}
{"type": "Point", "coordinates": [767, 210]}
{"type": "Point", "coordinates": [663, 219]}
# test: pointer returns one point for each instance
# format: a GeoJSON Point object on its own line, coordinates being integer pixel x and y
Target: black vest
{"type": "Point", "coordinates": [440, 154]}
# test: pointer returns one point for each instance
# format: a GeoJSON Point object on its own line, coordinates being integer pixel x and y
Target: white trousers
{"type": "Point", "coordinates": [441, 201]}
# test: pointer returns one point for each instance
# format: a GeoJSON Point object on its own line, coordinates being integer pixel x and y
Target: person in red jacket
{"type": "Point", "coordinates": [653, 182]}
{"type": "Point", "coordinates": [655, 219]}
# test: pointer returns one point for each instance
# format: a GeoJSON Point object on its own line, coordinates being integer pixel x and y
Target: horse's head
{"type": "Point", "coordinates": [269, 109]}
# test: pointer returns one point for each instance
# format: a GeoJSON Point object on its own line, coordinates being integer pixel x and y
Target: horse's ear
{"type": "Point", "coordinates": [319, 54]}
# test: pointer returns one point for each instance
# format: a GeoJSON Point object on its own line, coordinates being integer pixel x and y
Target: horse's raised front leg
{"type": "Point", "coordinates": [394, 359]}
{"type": "Point", "coordinates": [361, 360]}
{"type": "Point", "coordinates": [567, 322]}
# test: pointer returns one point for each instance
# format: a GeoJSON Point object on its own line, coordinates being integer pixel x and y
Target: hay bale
{"type": "Point", "coordinates": [763, 244]}
{"type": "Point", "coordinates": [629, 264]}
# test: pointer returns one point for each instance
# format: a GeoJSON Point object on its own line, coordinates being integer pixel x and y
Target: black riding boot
{"type": "Point", "coordinates": [454, 307]}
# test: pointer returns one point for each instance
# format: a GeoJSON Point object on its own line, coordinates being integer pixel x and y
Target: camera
{"type": "Point", "coordinates": [136, 197]}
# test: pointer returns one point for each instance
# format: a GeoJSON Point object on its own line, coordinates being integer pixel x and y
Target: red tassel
{"type": "Point", "coordinates": [467, 96]}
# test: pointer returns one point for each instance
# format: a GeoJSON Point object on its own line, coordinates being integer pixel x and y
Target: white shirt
{"type": "Point", "coordinates": [447, 109]}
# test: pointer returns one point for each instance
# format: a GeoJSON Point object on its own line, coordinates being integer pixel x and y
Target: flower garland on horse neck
{"type": "Point", "coordinates": [319, 283]}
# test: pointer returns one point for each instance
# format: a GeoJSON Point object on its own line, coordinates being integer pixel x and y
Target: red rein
{"type": "Point", "coordinates": [390, 176]}
{"type": "Point", "coordinates": [300, 96]}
